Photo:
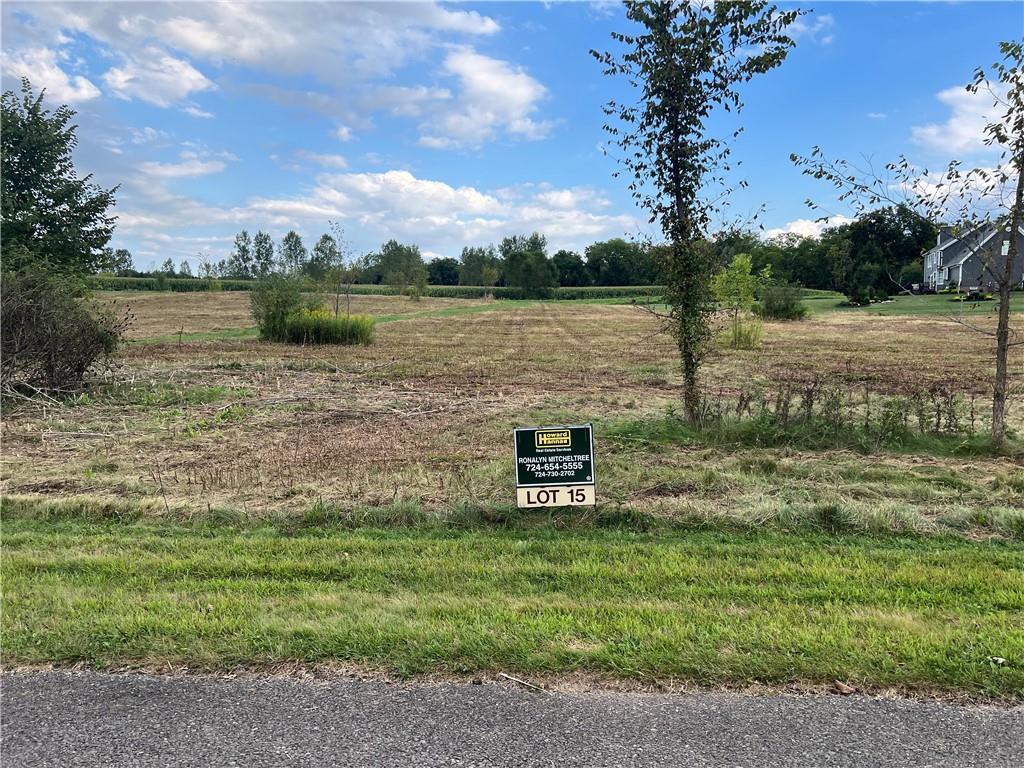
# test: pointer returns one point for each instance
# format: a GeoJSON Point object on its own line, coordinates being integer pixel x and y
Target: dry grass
{"type": "Point", "coordinates": [164, 314]}
{"type": "Point", "coordinates": [423, 416]}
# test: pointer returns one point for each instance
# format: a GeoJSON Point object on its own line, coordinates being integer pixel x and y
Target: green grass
{"type": "Point", "coordinates": [230, 334]}
{"type": "Point", "coordinates": [712, 607]}
{"type": "Point", "coordinates": [929, 304]}
{"type": "Point", "coordinates": [225, 334]}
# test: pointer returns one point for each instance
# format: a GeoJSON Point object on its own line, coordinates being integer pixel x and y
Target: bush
{"type": "Point", "coordinates": [781, 302]}
{"type": "Point", "coordinates": [273, 300]}
{"type": "Point", "coordinates": [744, 333]}
{"type": "Point", "coordinates": [321, 327]}
{"type": "Point", "coordinates": [51, 337]}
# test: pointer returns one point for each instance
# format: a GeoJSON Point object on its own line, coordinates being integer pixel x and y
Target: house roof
{"type": "Point", "coordinates": [960, 249]}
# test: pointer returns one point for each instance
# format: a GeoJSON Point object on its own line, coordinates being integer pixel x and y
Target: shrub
{"type": "Point", "coordinates": [781, 302]}
{"type": "Point", "coordinates": [273, 300]}
{"type": "Point", "coordinates": [52, 337]}
{"type": "Point", "coordinates": [745, 334]}
{"type": "Point", "coordinates": [321, 327]}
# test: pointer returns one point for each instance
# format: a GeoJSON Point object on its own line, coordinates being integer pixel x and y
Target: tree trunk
{"type": "Point", "coordinates": [1003, 325]}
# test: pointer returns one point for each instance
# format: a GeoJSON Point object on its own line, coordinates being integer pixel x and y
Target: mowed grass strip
{"type": "Point", "coordinates": [920, 614]}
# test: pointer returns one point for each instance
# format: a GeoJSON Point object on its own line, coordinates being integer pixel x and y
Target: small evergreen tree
{"type": "Point", "coordinates": [686, 61]}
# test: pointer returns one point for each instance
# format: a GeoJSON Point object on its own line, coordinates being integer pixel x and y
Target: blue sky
{"type": "Point", "coordinates": [456, 124]}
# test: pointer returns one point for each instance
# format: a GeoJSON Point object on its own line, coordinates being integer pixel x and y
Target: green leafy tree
{"type": "Point", "coordinates": [167, 267]}
{"type": "Point", "coordinates": [570, 268]}
{"type": "Point", "coordinates": [185, 269]}
{"type": "Point", "coordinates": [49, 216]}
{"type": "Point", "coordinates": [443, 271]}
{"type": "Point", "coordinates": [240, 263]}
{"type": "Point", "coordinates": [735, 289]}
{"type": "Point", "coordinates": [479, 266]}
{"type": "Point", "coordinates": [262, 254]}
{"type": "Point", "coordinates": [207, 270]}
{"type": "Point", "coordinates": [526, 265]}
{"type": "Point", "coordinates": [398, 264]}
{"type": "Point", "coordinates": [292, 255]}
{"type": "Point", "coordinates": [968, 198]}
{"type": "Point", "coordinates": [614, 261]}
{"type": "Point", "coordinates": [324, 256]}
{"type": "Point", "coordinates": [118, 261]}
{"type": "Point", "coordinates": [346, 270]}
{"type": "Point", "coordinates": [687, 62]}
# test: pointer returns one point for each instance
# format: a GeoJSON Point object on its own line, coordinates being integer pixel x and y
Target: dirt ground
{"type": "Point", "coordinates": [423, 415]}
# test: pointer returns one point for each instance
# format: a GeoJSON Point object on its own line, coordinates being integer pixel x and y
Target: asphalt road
{"type": "Point", "coordinates": [88, 719]}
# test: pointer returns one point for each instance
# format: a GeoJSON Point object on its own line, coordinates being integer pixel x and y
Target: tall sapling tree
{"type": "Point", "coordinates": [687, 61]}
{"type": "Point", "coordinates": [975, 201]}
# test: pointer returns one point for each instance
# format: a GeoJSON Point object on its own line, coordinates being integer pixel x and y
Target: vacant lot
{"type": "Point", "coordinates": [176, 511]}
{"type": "Point", "coordinates": [424, 415]}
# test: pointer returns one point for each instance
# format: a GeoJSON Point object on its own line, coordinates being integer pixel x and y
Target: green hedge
{"type": "Point", "coordinates": [322, 328]}
{"type": "Point", "coordinates": [188, 285]}
{"type": "Point", "coordinates": [177, 284]}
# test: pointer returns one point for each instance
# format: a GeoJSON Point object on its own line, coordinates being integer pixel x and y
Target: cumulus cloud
{"type": "Point", "coordinates": [336, 42]}
{"type": "Point", "coordinates": [963, 132]}
{"type": "Point", "coordinates": [439, 217]}
{"type": "Point", "coordinates": [406, 101]}
{"type": "Point", "coordinates": [819, 28]}
{"type": "Point", "coordinates": [326, 160]}
{"type": "Point", "coordinates": [156, 77]}
{"type": "Point", "coordinates": [806, 227]}
{"type": "Point", "coordinates": [192, 164]}
{"type": "Point", "coordinates": [42, 67]}
{"type": "Point", "coordinates": [493, 96]}
{"type": "Point", "coordinates": [164, 52]}
{"type": "Point", "coordinates": [194, 111]}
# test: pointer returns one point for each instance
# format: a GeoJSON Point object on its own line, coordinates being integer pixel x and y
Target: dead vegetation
{"type": "Point", "coordinates": [423, 417]}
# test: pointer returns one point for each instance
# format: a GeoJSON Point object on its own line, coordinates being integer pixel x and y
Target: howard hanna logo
{"type": "Point", "coordinates": [552, 438]}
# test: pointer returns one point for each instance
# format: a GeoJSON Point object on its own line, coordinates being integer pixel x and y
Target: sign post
{"type": "Point", "coordinates": [555, 466]}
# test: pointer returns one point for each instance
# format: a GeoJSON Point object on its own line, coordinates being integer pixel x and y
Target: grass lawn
{"type": "Point", "coordinates": [928, 304]}
{"type": "Point", "coordinates": [716, 607]}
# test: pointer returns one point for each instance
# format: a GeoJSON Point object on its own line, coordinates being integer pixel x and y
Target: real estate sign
{"type": "Point", "coordinates": [555, 466]}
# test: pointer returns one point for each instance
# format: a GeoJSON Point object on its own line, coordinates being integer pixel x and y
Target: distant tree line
{"type": "Point", "coordinates": [870, 258]}
{"type": "Point", "coordinates": [875, 256]}
{"type": "Point", "coordinates": [520, 261]}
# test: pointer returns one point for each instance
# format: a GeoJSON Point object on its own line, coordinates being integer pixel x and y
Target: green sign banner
{"type": "Point", "coordinates": [555, 466]}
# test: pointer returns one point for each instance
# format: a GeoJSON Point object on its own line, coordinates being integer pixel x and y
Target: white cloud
{"type": "Point", "coordinates": [41, 67]}
{"type": "Point", "coordinates": [406, 101]}
{"type": "Point", "coordinates": [191, 165]}
{"type": "Point", "coordinates": [195, 111]}
{"type": "Point", "coordinates": [806, 227]}
{"type": "Point", "coordinates": [493, 96]}
{"type": "Point", "coordinates": [443, 218]}
{"type": "Point", "coordinates": [877, 115]}
{"type": "Point", "coordinates": [817, 28]}
{"type": "Point", "coordinates": [963, 132]}
{"type": "Point", "coordinates": [439, 217]}
{"type": "Point", "coordinates": [336, 42]}
{"type": "Point", "coordinates": [326, 160]}
{"type": "Point", "coordinates": [148, 135]}
{"type": "Point", "coordinates": [343, 133]}
{"type": "Point", "coordinates": [156, 77]}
